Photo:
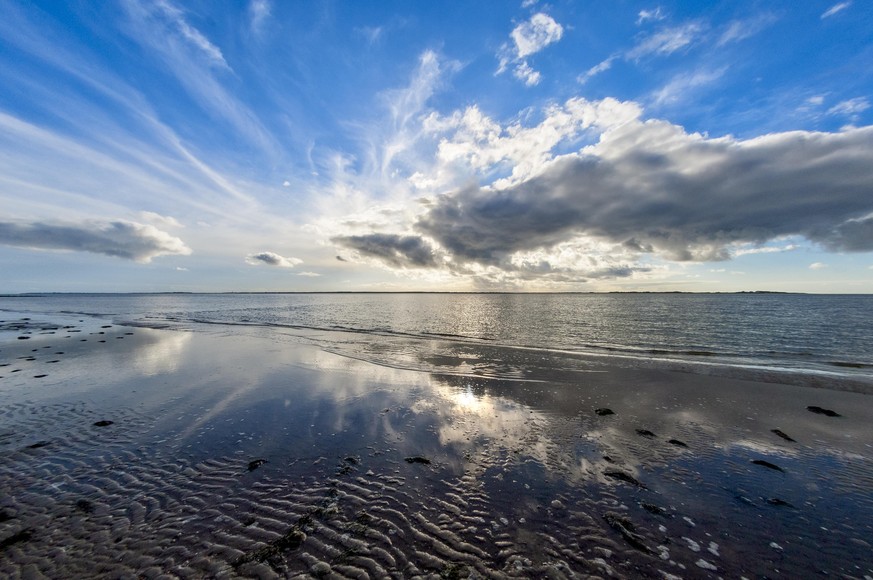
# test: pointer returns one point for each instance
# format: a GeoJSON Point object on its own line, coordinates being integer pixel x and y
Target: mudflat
{"type": "Point", "coordinates": [129, 451]}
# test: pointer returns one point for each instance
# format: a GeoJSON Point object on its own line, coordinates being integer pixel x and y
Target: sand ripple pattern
{"type": "Point", "coordinates": [82, 501]}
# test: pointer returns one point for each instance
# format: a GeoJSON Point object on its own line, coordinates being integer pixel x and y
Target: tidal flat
{"type": "Point", "coordinates": [129, 452]}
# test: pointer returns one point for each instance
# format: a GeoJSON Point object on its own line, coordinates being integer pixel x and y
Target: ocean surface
{"type": "Point", "coordinates": [819, 340]}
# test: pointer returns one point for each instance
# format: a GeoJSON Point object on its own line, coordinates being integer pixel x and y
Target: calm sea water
{"type": "Point", "coordinates": [824, 335]}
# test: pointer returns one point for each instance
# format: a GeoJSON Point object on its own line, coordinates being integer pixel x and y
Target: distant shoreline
{"type": "Point", "coordinates": [283, 292]}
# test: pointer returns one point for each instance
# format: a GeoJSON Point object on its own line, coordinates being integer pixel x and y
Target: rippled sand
{"type": "Point", "coordinates": [186, 454]}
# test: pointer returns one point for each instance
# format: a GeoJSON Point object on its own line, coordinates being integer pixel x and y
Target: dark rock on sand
{"type": "Point", "coordinates": [653, 509]}
{"type": "Point", "coordinates": [256, 463]}
{"type": "Point", "coordinates": [767, 464]}
{"type": "Point", "coordinates": [646, 433]}
{"type": "Point", "coordinates": [290, 540]}
{"type": "Point", "coordinates": [39, 376]}
{"type": "Point", "coordinates": [677, 443]}
{"type": "Point", "coordinates": [625, 477]}
{"type": "Point", "coordinates": [83, 505]}
{"type": "Point", "coordinates": [626, 528]}
{"type": "Point", "coordinates": [820, 411]}
{"type": "Point", "coordinates": [23, 338]}
{"type": "Point", "coordinates": [603, 411]}
{"type": "Point", "coordinates": [103, 423]}
{"type": "Point", "coordinates": [38, 444]}
{"type": "Point", "coordinates": [782, 434]}
{"type": "Point", "coordinates": [22, 536]}
{"type": "Point", "coordinates": [418, 459]}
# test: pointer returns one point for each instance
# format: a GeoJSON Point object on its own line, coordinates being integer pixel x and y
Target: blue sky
{"type": "Point", "coordinates": [291, 146]}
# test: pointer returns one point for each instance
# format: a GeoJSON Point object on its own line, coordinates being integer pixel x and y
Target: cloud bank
{"type": "Point", "coordinates": [120, 239]}
{"type": "Point", "coordinates": [644, 187]}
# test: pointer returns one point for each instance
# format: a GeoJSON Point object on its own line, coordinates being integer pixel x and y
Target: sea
{"type": "Point", "coordinates": [808, 339]}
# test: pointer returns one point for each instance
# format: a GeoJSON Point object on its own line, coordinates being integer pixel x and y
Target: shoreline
{"type": "Point", "coordinates": [244, 454]}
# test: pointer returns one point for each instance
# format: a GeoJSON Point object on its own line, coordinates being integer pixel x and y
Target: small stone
{"type": "Point", "coordinates": [418, 459]}
{"type": "Point", "coordinates": [603, 411]}
{"type": "Point", "coordinates": [767, 464]}
{"type": "Point", "coordinates": [256, 463]}
{"type": "Point", "coordinates": [780, 433]}
{"type": "Point", "coordinates": [103, 423]}
{"type": "Point", "coordinates": [821, 411]}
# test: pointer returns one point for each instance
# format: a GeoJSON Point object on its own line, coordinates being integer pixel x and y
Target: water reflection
{"type": "Point", "coordinates": [529, 460]}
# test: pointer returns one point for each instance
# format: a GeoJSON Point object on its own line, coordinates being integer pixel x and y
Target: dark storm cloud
{"type": "Point", "coordinates": [121, 239]}
{"type": "Point", "coordinates": [395, 250]}
{"type": "Point", "coordinates": [654, 188]}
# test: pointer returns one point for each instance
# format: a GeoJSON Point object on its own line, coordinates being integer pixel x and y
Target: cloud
{"type": "Point", "coordinates": [399, 251]}
{"type": "Point", "coordinates": [602, 66]}
{"type": "Point", "coordinates": [121, 239]}
{"type": "Point", "coordinates": [259, 12]}
{"type": "Point", "coordinates": [818, 266]}
{"type": "Point", "coordinates": [272, 259]}
{"type": "Point", "coordinates": [739, 30]}
{"type": "Point", "coordinates": [309, 274]}
{"type": "Point", "coordinates": [526, 74]}
{"type": "Point", "coordinates": [634, 196]}
{"type": "Point", "coordinates": [835, 8]}
{"type": "Point", "coordinates": [528, 39]}
{"type": "Point", "coordinates": [682, 85]}
{"type": "Point", "coordinates": [159, 220]}
{"type": "Point", "coordinates": [197, 64]}
{"type": "Point", "coordinates": [474, 143]}
{"type": "Point", "coordinates": [666, 41]}
{"type": "Point", "coordinates": [662, 43]}
{"type": "Point", "coordinates": [850, 107]}
{"type": "Point", "coordinates": [175, 19]}
{"type": "Point", "coordinates": [654, 188]}
{"type": "Point", "coordinates": [536, 34]}
{"type": "Point", "coordinates": [648, 15]}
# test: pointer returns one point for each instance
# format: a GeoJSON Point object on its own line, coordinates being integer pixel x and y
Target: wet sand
{"type": "Point", "coordinates": [235, 453]}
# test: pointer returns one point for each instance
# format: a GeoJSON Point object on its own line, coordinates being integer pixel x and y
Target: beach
{"type": "Point", "coordinates": [130, 451]}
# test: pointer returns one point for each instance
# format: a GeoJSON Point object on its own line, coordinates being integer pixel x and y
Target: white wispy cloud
{"type": "Point", "coordinates": [595, 70]}
{"type": "Point", "coordinates": [272, 259]}
{"type": "Point", "coordinates": [666, 41]}
{"type": "Point", "coordinates": [738, 30]}
{"type": "Point", "coordinates": [818, 266]}
{"type": "Point", "coordinates": [682, 85]}
{"type": "Point", "coordinates": [176, 18]}
{"type": "Point", "coordinates": [529, 38]}
{"type": "Point", "coordinates": [197, 64]}
{"type": "Point", "coordinates": [650, 15]}
{"type": "Point", "coordinates": [309, 274]}
{"type": "Point", "coordinates": [120, 238]}
{"type": "Point", "coordinates": [850, 107]}
{"type": "Point", "coordinates": [259, 13]}
{"type": "Point", "coordinates": [839, 7]}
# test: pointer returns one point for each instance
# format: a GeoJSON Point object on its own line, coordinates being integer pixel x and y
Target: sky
{"type": "Point", "coordinates": [264, 145]}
